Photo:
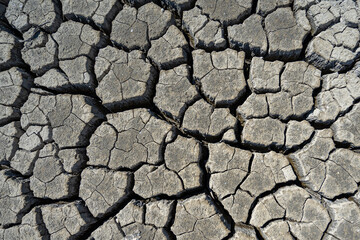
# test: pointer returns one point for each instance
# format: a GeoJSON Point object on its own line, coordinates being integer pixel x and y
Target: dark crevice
{"type": "Point", "coordinates": [342, 145]}
{"type": "Point", "coordinates": [326, 71]}
{"type": "Point", "coordinates": [15, 61]}
{"type": "Point", "coordinates": [306, 42]}
{"type": "Point", "coordinates": [100, 221]}
{"type": "Point", "coordinates": [70, 90]}
{"type": "Point", "coordinates": [205, 137]}
{"type": "Point", "coordinates": [120, 169]}
{"type": "Point", "coordinates": [258, 234]}
{"type": "Point", "coordinates": [5, 26]}
{"type": "Point", "coordinates": [115, 45]}
{"type": "Point", "coordinates": [144, 49]}
{"type": "Point", "coordinates": [170, 221]}
{"type": "Point", "coordinates": [202, 94]}
{"type": "Point", "coordinates": [248, 172]}
{"type": "Point", "coordinates": [128, 104]}
{"type": "Point", "coordinates": [247, 63]}
{"type": "Point", "coordinates": [182, 195]}
{"type": "Point", "coordinates": [41, 226]}
{"type": "Point", "coordinates": [163, 146]}
{"type": "Point", "coordinates": [281, 73]}
{"type": "Point", "coordinates": [10, 225]}
{"type": "Point", "coordinates": [315, 93]}
{"type": "Point", "coordinates": [349, 66]}
{"type": "Point", "coordinates": [27, 69]}
{"type": "Point", "coordinates": [204, 156]}
{"type": "Point", "coordinates": [238, 130]}
{"type": "Point", "coordinates": [205, 182]}
{"type": "Point", "coordinates": [165, 116]}
{"type": "Point", "coordinates": [110, 213]}
{"type": "Point", "coordinates": [13, 118]}
{"type": "Point", "coordinates": [272, 220]}
{"type": "Point", "coordinates": [252, 148]}
{"type": "Point", "coordinates": [225, 33]}
{"type": "Point", "coordinates": [47, 201]}
{"type": "Point", "coordinates": [240, 101]}
{"type": "Point", "coordinates": [137, 4]}
{"type": "Point", "coordinates": [261, 148]}
{"type": "Point", "coordinates": [177, 11]}
{"type": "Point", "coordinates": [13, 172]}
{"type": "Point", "coordinates": [332, 236]}
{"type": "Point", "coordinates": [176, 120]}
{"type": "Point", "coordinates": [291, 5]}
{"type": "Point", "coordinates": [59, 7]}
{"type": "Point", "coordinates": [326, 229]}
{"type": "Point", "coordinates": [226, 215]}
{"type": "Point", "coordinates": [320, 126]}
{"type": "Point", "coordinates": [327, 124]}
{"type": "Point", "coordinates": [254, 6]}
{"type": "Point", "coordinates": [298, 147]}
{"type": "Point", "coordinates": [342, 196]}
{"type": "Point", "coordinates": [292, 235]}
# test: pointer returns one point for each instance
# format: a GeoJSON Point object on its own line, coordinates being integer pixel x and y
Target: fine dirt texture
{"type": "Point", "coordinates": [180, 119]}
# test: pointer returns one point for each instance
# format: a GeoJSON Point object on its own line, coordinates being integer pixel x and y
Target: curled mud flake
{"type": "Point", "coordinates": [205, 33]}
{"type": "Point", "coordinates": [285, 35]}
{"type": "Point", "coordinates": [124, 79]}
{"type": "Point", "coordinates": [16, 198]}
{"type": "Point", "coordinates": [170, 50]}
{"type": "Point", "coordinates": [346, 128]}
{"type": "Point", "coordinates": [249, 36]}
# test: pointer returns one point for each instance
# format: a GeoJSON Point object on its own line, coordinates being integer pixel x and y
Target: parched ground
{"type": "Point", "coordinates": [180, 119]}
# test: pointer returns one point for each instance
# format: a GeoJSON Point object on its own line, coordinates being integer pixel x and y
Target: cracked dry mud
{"type": "Point", "coordinates": [180, 119]}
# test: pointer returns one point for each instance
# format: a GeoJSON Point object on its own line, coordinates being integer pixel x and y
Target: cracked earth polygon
{"type": "Point", "coordinates": [180, 119]}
